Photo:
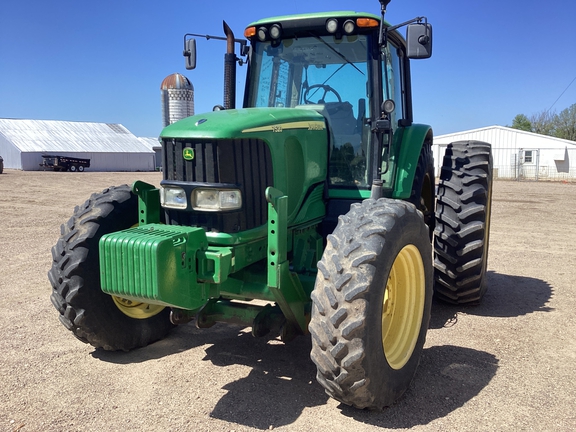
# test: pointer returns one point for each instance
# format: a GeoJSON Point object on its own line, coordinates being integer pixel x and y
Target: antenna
{"type": "Point", "coordinates": [383, 4]}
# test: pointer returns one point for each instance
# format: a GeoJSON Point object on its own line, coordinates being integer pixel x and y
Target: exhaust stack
{"type": "Point", "coordinates": [229, 69]}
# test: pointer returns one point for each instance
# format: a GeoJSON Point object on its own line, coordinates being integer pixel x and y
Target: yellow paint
{"type": "Point", "coordinates": [308, 125]}
{"type": "Point", "coordinates": [136, 310]}
{"type": "Point", "coordinates": [403, 306]}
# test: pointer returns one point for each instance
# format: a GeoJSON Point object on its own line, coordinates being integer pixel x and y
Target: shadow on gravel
{"type": "Point", "coordinates": [282, 378]}
{"type": "Point", "coordinates": [506, 296]}
{"type": "Point", "coordinates": [447, 378]}
{"type": "Point", "coordinates": [280, 385]}
{"type": "Point", "coordinates": [180, 339]}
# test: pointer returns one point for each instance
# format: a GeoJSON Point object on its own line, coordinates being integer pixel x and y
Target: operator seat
{"type": "Point", "coordinates": [341, 122]}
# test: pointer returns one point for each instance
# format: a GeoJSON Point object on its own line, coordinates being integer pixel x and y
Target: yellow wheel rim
{"type": "Point", "coordinates": [136, 310]}
{"type": "Point", "coordinates": [403, 306]}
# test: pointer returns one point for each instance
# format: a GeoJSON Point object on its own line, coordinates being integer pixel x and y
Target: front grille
{"type": "Point", "coordinates": [246, 163]}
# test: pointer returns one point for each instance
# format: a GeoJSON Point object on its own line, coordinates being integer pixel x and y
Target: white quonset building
{"type": "Point", "coordinates": [517, 154]}
{"type": "Point", "coordinates": [156, 147]}
{"type": "Point", "coordinates": [110, 147]}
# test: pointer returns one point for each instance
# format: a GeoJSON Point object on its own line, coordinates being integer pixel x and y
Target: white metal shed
{"type": "Point", "coordinates": [110, 147]}
{"type": "Point", "coordinates": [518, 154]}
{"type": "Point", "coordinates": [156, 147]}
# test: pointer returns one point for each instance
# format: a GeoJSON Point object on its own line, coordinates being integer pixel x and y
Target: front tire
{"type": "Point", "coordinates": [463, 222]}
{"type": "Point", "coordinates": [371, 303]}
{"type": "Point", "coordinates": [91, 315]}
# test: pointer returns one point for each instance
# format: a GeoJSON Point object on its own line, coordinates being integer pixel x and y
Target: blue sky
{"type": "Point", "coordinates": [104, 61]}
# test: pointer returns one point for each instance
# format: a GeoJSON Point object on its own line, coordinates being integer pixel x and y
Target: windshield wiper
{"type": "Point", "coordinates": [337, 53]}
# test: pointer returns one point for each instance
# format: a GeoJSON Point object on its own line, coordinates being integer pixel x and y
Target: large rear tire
{"type": "Point", "coordinates": [463, 222]}
{"type": "Point", "coordinates": [94, 317]}
{"type": "Point", "coordinates": [371, 303]}
{"type": "Point", "coordinates": [423, 187]}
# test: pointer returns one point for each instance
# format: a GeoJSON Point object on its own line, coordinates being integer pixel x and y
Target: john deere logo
{"type": "Point", "coordinates": [188, 154]}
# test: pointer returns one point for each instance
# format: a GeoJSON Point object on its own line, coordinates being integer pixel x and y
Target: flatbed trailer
{"type": "Point", "coordinates": [64, 163]}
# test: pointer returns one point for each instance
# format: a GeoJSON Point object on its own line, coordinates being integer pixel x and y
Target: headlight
{"type": "Point", "coordinates": [349, 27]}
{"type": "Point", "coordinates": [262, 33]}
{"type": "Point", "coordinates": [216, 199]}
{"type": "Point", "coordinates": [275, 31]}
{"type": "Point", "coordinates": [332, 25]}
{"type": "Point", "coordinates": [173, 197]}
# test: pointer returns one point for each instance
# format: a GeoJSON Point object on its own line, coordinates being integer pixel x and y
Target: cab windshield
{"type": "Point", "coordinates": [327, 74]}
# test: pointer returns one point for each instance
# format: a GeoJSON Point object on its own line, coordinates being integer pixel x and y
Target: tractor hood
{"type": "Point", "coordinates": [240, 123]}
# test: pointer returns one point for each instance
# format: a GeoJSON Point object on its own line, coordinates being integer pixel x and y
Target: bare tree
{"type": "Point", "coordinates": [565, 123]}
{"type": "Point", "coordinates": [543, 122]}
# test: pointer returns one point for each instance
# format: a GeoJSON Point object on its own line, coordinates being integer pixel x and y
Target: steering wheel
{"type": "Point", "coordinates": [327, 89]}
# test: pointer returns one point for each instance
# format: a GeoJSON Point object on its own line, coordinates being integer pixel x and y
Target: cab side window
{"type": "Point", "coordinates": [392, 82]}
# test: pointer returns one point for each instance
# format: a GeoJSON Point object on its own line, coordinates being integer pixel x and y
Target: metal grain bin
{"type": "Point", "coordinates": [177, 94]}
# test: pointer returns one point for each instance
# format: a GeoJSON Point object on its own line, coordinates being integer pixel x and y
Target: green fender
{"type": "Point", "coordinates": [413, 138]}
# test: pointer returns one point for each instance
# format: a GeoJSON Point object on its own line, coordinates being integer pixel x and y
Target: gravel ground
{"type": "Point", "coordinates": [508, 364]}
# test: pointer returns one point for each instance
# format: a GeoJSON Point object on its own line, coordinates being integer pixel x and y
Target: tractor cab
{"type": "Point", "coordinates": [337, 64]}
{"type": "Point", "coordinates": [310, 68]}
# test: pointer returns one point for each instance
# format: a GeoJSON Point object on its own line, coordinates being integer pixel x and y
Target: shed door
{"type": "Point", "coordinates": [528, 164]}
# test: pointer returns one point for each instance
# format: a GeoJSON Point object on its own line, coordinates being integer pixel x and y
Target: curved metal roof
{"type": "Point", "coordinates": [65, 136]}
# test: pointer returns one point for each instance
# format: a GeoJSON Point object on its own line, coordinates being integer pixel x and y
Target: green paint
{"type": "Point", "coordinates": [413, 138]}
{"type": "Point", "coordinates": [232, 123]}
{"type": "Point", "coordinates": [284, 285]}
{"type": "Point", "coordinates": [321, 15]}
{"type": "Point", "coordinates": [148, 262]}
{"type": "Point", "coordinates": [148, 202]}
{"type": "Point", "coordinates": [202, 273]}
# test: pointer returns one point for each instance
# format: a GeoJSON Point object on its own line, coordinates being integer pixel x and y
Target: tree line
{"type": "Point", "coordinates": [562, 125]}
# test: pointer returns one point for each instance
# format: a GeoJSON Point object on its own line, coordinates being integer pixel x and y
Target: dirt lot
{"type": "Point", "coordinates": [509, 364]}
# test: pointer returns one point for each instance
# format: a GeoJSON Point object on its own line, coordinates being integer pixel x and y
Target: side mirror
{"type": "Point", "coordinates": [419, 40]}
{"type": "Point", "coordinates": [190, 53]}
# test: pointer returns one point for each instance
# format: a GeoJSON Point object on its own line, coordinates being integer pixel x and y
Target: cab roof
{"type": "Point", "coordinates": [311, 19]}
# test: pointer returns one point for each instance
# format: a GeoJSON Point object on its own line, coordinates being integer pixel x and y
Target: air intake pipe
{"type": "Point", "coordinates": [229, 69]}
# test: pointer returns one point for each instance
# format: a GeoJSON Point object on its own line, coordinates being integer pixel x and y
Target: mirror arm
{"type": "Point", "coordinates": [242, 42]}
{"type": "Point", "coordinates": [414, 20]}
{"type": "Point", "coordinates": [384, 32]}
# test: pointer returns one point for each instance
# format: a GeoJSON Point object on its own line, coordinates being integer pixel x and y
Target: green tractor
{"type": "Point", "coordinates": [312, 209]}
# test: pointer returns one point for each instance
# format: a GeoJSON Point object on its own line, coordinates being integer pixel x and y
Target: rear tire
{"type": "Point", "coordinates": [94, 317]}
{"type": "Point", "coordinates": [81, 168]}
{"type": "Point", "coordinates": [371, 303]}
{"type": "Point", "coordinates": [463, 222]}
{"type": "Point", "coordinates": [423, 187]}
{"type": "Point", "coordinates": [73, 168]}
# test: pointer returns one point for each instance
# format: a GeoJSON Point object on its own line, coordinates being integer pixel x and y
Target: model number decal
{"type": "Point", "coordinates": [309, 125]}
{"type": "Point", "coordinates": [316, 126]}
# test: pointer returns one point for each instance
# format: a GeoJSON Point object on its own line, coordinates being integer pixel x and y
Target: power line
{"type": "Point", "coordinates": [561, 94]}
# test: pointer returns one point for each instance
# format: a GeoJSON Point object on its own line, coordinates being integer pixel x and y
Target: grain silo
{"type": "Point", "coordinates": [177, 95]}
